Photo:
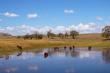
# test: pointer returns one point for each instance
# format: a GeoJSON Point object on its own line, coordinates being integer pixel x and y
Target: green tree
{"type": "Point", "coordinates": [50, 34]}
{"type": "Point", "coordinates": [27, 36]}
{"type": "Point", "coordinates": [106, 32]}
{"type": "Point", "coordinates": [61, 35]}
{"type": "Point", "coordinates": [40, 36]}
{"type": "Point", "coordinates": [35, 35]}
{"type": "Point", "coordinates": [66, 35]}
{"type": "Point", "coordinates": [74, 33]}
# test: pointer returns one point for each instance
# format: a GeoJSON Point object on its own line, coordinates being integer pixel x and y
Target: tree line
{"type": "Point", "coordinates": [73, 34]}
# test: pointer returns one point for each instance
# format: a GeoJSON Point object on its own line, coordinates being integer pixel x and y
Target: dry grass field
{"type": "Point", "coordinates": [84, 40]}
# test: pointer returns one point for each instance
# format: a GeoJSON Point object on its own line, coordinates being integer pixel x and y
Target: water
{"type": "Point", "coordinates": [80, 60]}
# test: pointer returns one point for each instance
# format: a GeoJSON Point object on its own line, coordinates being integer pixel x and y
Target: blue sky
{"type": "Point", "coordinates": [50, 14]}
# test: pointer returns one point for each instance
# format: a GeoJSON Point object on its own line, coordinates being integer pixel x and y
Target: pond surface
{"type": "Point", "coordinates": [79, 60]}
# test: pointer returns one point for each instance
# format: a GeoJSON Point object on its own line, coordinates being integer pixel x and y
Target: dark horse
{"type": "Point", "coordinates": [19, 47]}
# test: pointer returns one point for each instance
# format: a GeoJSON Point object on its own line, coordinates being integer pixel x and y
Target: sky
{"type": "Point", "coordinates": [19, 17]}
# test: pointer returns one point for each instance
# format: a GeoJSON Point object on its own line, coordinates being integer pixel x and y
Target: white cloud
{"type": "Point", "coordinates": [24, 29]}
{"type": "Point", "coordinates": [2, 30]}
{"type": "Point", "coordinates": [32, 15]}
{"type": "Point", "coordinates": [10, 28]}
{"type": "Point", "coordinates": [10, 14]}
{"type": "Point", "coordinates": [69, 11]}
{"type": "Point", "coordinates": [44, 29]}
{"type": "Point", "coordinates": [99, 18]}
{"type": "Point", "coordinates": [85, 28]}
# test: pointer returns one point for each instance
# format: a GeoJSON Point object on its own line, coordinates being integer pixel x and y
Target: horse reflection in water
{"type": "Point", "coordinates": [7, 57]}
{"type": "Point", "coordinates": [56, 48]}
{"type": "Point", "coordinates": [70, 51]}
{"type": "Point", "coordinates": [74, 60]}
{"type": "Point", "coordinates": [106, 55]}
{"type": "Point", "coordinates": [50, 52]}
{"type": "Point", "coordinates": [19, 53]}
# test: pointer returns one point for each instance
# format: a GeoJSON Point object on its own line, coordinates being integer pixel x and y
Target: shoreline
{"type": "Point", "coordinates": [12, 43]}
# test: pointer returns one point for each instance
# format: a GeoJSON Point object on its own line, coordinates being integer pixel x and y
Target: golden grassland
{"type": "Point", "coordinates": [84, 40]}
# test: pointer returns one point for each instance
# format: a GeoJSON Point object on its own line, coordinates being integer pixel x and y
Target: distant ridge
{"type": "Point", "coordinates": [2, 34]}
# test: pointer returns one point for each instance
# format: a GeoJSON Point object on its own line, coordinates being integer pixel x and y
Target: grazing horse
{"type": "Point", "coordinates": [89, 48]}
{"type": "Point", "coordinates": [73, 46]}
{"type": "Point", "coordinates": [19, 47]}
{"type": "Point", "coordinates": [45, 54]}
{"type": "Point", "coordinates": [70, 48]}
{"type": "Point", "coordinates": [65, 47]}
